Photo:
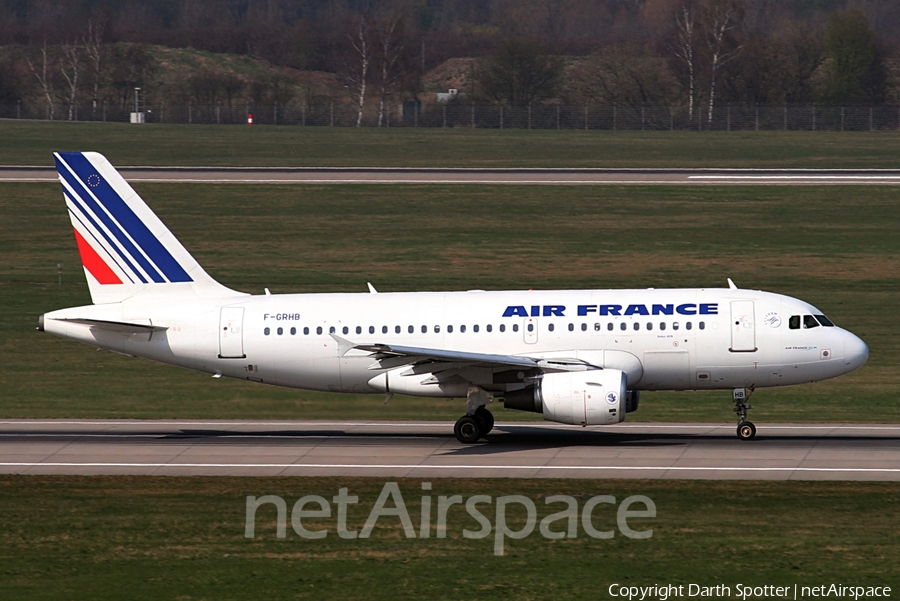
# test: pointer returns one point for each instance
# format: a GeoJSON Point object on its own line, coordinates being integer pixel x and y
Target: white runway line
{"type": "Point", "coordinates": [419, 466]}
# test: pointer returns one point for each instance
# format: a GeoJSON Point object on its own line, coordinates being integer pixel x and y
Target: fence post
{"type": "Point", "coordinates": [331, 114]}
{"type": "Point", "coordinates": [814, 116]}
{"type": "Point", "coordinates": [162, 108]}
{"type": "Point", "coordinates": [190, 113]}
{"type": "Point", "coordinates": [218, 114]}
{"type": "Point", "coordinates": [444, 123]}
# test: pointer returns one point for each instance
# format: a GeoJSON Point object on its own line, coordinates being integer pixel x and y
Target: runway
{"type": "Point", "coordinates": [341, 175]}
{"type": "Point", "coordinates": [429, 450]}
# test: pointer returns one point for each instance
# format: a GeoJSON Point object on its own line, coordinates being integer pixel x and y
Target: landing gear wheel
{"type": "Point", "coordinates": [746, 430]}
{"type": "Point", "coordinates": [468, 429]}
{"type": "Point", "coordinates": [487, 419]}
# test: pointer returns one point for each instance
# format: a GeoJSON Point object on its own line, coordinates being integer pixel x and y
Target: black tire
{"type": "Point", "coordinates": [487, 419]}
{"type": "Point", "coordinates": [746, 431]}
{"type": "Point", "coordinates": [467, 429]}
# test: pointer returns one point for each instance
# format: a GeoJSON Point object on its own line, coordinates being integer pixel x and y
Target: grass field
{"type": "Point", "coordinates": [834, 246]}
{"type": "Point", "coordinates": [33, 142]}
{"type": "Point", "coordinates": [183, 538]}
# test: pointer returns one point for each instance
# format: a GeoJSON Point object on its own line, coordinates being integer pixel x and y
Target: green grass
{"type": "Point", "coordinates": [833, 246]}
{"type": "Point", "coordinates": [167, 538]}
{"type": "Point", "coordinates": [32, 143]}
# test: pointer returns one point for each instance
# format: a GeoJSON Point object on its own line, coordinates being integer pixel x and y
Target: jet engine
{"type": "Point", "coordinates": [584, 398]}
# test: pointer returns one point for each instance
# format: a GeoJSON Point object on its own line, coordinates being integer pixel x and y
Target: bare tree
{"type": "Point", "coordinates": [391, 49]}
{"type": "Point", "coordinates": [685, 27]}
{"type": "Point", "coordinates": [93, 47]}
{"type": "Point", "coordinates": [70, 69]}
{"type": "Point", "coordinates": [723, 16]}
{"type": "Point", "coordinates": [44, 79]}
{"type": "Point", "coordinates": [358, 73]}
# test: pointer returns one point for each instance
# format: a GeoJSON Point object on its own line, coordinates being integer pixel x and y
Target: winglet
{"type": "Point", "coordinates": [371, 288]}
{"type": "Point", "coordinates": [731, 285]}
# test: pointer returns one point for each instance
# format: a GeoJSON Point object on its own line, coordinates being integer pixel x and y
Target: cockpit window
{"type": "Point", "coordinates": [794, 322]}
{"type": "Point", "coordinates": [809, 322]}
{"type": "Point", "coordinates": [824, 321]}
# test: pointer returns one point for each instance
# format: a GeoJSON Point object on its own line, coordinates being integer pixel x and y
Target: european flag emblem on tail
{"type": "Point", "coordinates": [125, 249]}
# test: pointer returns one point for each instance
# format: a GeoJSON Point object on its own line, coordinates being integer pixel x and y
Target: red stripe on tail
{"type": "Point", "coordinates": [93, 263]}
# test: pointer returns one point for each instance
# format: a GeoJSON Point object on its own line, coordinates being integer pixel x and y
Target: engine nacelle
{"type": "Point", "coordinates": [584, 398]}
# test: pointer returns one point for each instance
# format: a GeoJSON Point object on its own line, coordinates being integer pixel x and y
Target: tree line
{"type": "Point", "coordinates": [695, 54]}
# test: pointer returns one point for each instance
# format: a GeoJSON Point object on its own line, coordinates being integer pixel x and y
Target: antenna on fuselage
{"type": "Point", "coordinates": [731, 285]}
{"type": "Point", "coordinates": [371, 288]}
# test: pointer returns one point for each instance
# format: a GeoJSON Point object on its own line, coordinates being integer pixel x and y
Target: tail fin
{"type": "Point", "coordinates": [126, 251]}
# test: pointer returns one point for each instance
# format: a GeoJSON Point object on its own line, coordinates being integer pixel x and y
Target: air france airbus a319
{"type": "Point", "coordinates": [578, 357]}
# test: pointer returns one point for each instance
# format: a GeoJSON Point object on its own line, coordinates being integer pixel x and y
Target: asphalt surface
{"type": "Point", "coordinates": [429, 450]}
{"type": "Point", "coordinates": [340, 175]}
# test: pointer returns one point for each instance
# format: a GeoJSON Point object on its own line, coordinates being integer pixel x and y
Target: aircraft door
{"type": "Point", "coordinates": [231, 333]}
{"type": "Point", "coordinates": [743, 332]}
{"type": "Point", "coordinates": [530, 330]}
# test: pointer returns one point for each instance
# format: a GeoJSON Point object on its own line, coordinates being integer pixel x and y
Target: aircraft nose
{"type": "Point", "coordinates": [855, 352]}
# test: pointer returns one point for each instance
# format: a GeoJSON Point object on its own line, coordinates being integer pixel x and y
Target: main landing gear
{"type": "Point", "coordinates": [745, 429]}
{"type": "Point", "coordinates": [478, 421]}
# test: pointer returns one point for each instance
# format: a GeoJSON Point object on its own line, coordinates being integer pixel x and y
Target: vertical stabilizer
{"type": "Point", "coordinates": [126, 251]}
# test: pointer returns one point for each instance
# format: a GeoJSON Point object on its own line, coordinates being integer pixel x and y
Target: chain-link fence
{"type": "Point", "coordinates": [630, 117]}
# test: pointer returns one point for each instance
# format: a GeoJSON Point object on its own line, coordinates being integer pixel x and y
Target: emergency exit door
{"type": "Point", "coordinates": [743, 327]}
{"type": "Point", "coordinates": [231, 333]}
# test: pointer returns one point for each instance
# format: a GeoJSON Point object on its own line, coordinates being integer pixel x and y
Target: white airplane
{"type": "Point", "coordinates": [579, 357]}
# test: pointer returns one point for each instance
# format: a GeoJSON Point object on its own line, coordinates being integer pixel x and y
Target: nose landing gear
{"type": "Point", "coordinates": [745, 429]}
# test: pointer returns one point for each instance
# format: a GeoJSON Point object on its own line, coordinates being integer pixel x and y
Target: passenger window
{"type": "Point", "coordinates": [502, 327]}
{"type": "Point", "coordinates": [475, 329]}
{"type": "Point", "coordinates": [280, 331]}
{"type": "Point", "coordinates": [371, 329]}
{"type": "Point", "coordinates": [609, 326]}
{"type": "Point", "coordinates": [396, 329]}
{"type": "Point", "coordinates": [662, 325]}
{"type": "Point", "coordinates": [649, 325]}
{"type": "Point", "coordinates": [266, 331]}
{"type": "Point", "coordinates": [794, 322]}
{"type": "Point", "coordinates": [622, 326]}
{"type": "Point", "coordinates": [688, 326]}
{"type": "Point", "coordinates": [515, 327]}
{"type": "Point", "coordinates": [637, 326]}
{"type": "Point", "coordinates": [437, 329]}
{"type": "Point", "coordinates": [584, 327]}
{"type": "Point", "coordinates": [702, 325]}
{"type": "Point", "coordinates": [411, 329]}
{"type": "Point", "coordinates": [825, 321]}
{"type": "Point", "coordinates": [531, 327]}
{"type": "Point", "coordinates": [306, 331]}
{"type": "Point", "coordinates": [675, 325]}
{"type": "Point", "coordinates": [596, 327]}
{"type": "Point", "coordinates": [550, 327]}
{"type": "Point", "coordinates": [331, 330]}
{"type": "Point", "coordinates": [449, 329]}
{"type": "Point", "coordinates": [359, 329]}
{"type": "Point", "coordinates": [424, 329]}
{"type": "Point", "coordinates": [462, 329]}
{"type": "Point", "coordinates": [319, 330]}
{"type": "Point", "coordinates": [571, 327]}
{"type": "Point", "coordinates": [346, 330]}
{"type": "Point", "coordinates": [810, 322]}
{"type": "Point", "coordinates": [490, 328]}
{"type": "Point", "coordinates": [293, 331]}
